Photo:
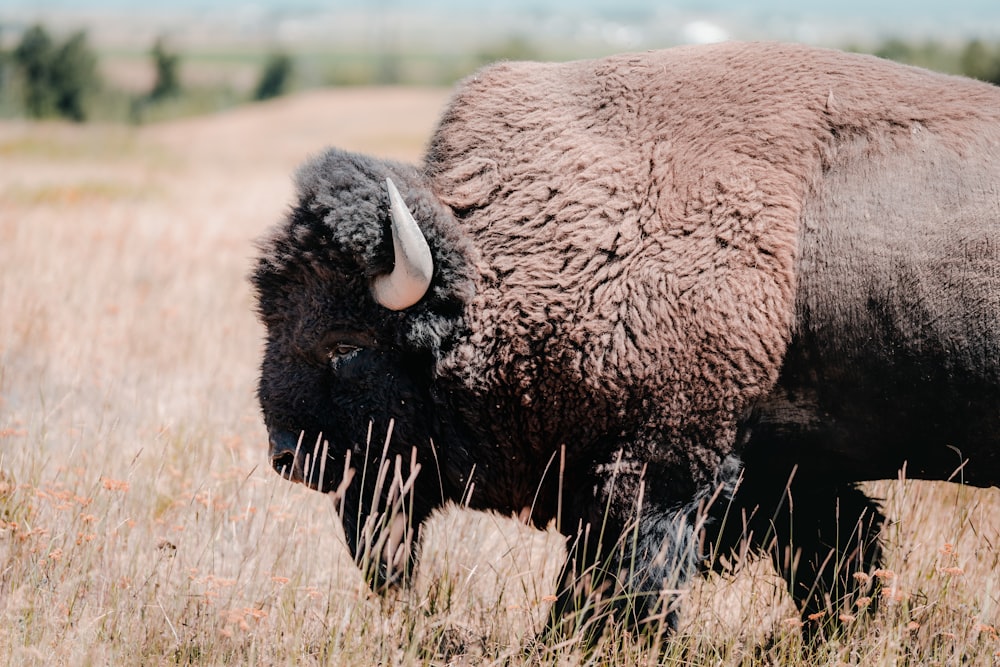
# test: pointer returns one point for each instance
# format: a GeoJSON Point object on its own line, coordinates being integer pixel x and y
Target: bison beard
{"type": "Point", "coordinates": [679, 303]}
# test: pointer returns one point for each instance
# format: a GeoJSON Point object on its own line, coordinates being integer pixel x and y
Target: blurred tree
{"type": "Point", "coordinates": [57, 79]}
{"type": "Point", "coordinates": [275, 78]}
{"type": "Point", "coordinates": [4, 57]}
{"type": "Point", "coordinates": [981, 62]}
{"type": "Point", "coordinates": [33, 57]}
{"type": "Point", "coordinates": [74, 77]}
{"type": "Point", "coordinates": [167, 83]}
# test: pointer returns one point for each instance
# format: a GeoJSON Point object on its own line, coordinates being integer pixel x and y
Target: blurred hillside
{"type": "Point", "coordinates": [227, 52]}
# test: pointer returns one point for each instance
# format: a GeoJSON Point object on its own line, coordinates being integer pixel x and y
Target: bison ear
{"type": "Point", "coordinates": [414, 267]}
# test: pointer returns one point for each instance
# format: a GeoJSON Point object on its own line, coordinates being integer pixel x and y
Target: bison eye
{"type": "Point", "coordinates": [341, 352]}
{"type": "Point", "coordinates": [338, 347]}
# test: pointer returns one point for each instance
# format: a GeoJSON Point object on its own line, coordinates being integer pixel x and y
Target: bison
{"type": "Point", "coordinates": [649, 298]}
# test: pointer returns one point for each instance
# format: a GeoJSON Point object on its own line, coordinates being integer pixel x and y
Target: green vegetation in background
{"type": "Point", "coordinates": [40, 78]}
{"type": "Point", "coordinates": [276, 79]}
{"type": "Point", "coordinates": [56, 79]}
{"type": "Point", "coordinates": [975, 58]}
{"type": "Point", "coordinates": [167, 82]}
{"type": "Point", "coordinates": [981, 62]}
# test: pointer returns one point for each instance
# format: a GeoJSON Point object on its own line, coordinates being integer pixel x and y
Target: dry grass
{"type": "Point", "coordinates": [139, 523]}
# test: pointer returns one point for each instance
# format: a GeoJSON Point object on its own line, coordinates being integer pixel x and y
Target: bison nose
{"type": "Point", "coordinates": [286, 454]}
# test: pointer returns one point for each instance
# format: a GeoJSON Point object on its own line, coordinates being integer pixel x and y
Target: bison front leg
{"type": "Point", "coordinates": [822, 536]}
{"type": "Point", "coordinates": [629, 550]}
{"type": "Point", "coordinates": [825, 535]}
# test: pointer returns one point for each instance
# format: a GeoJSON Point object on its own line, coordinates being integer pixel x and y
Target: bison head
{"type": "Point", "coordinates": [360, 303]}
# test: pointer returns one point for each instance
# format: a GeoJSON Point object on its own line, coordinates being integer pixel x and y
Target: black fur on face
{"type": "Point", "coordinates": [345, 384]}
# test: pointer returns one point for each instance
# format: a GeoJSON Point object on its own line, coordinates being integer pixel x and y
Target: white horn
{"type": "Point", "coordinates": [411, 275]}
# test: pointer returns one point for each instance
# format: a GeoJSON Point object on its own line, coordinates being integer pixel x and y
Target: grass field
{"type": "Point", "coordinates": [140, 523]}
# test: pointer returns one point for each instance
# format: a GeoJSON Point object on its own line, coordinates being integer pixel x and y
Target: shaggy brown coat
{"type": "Point", "coordinates": [637, 220]}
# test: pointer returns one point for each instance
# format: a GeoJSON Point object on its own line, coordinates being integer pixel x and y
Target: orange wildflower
{"type": "Point", "coordinates": [114, 484]}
